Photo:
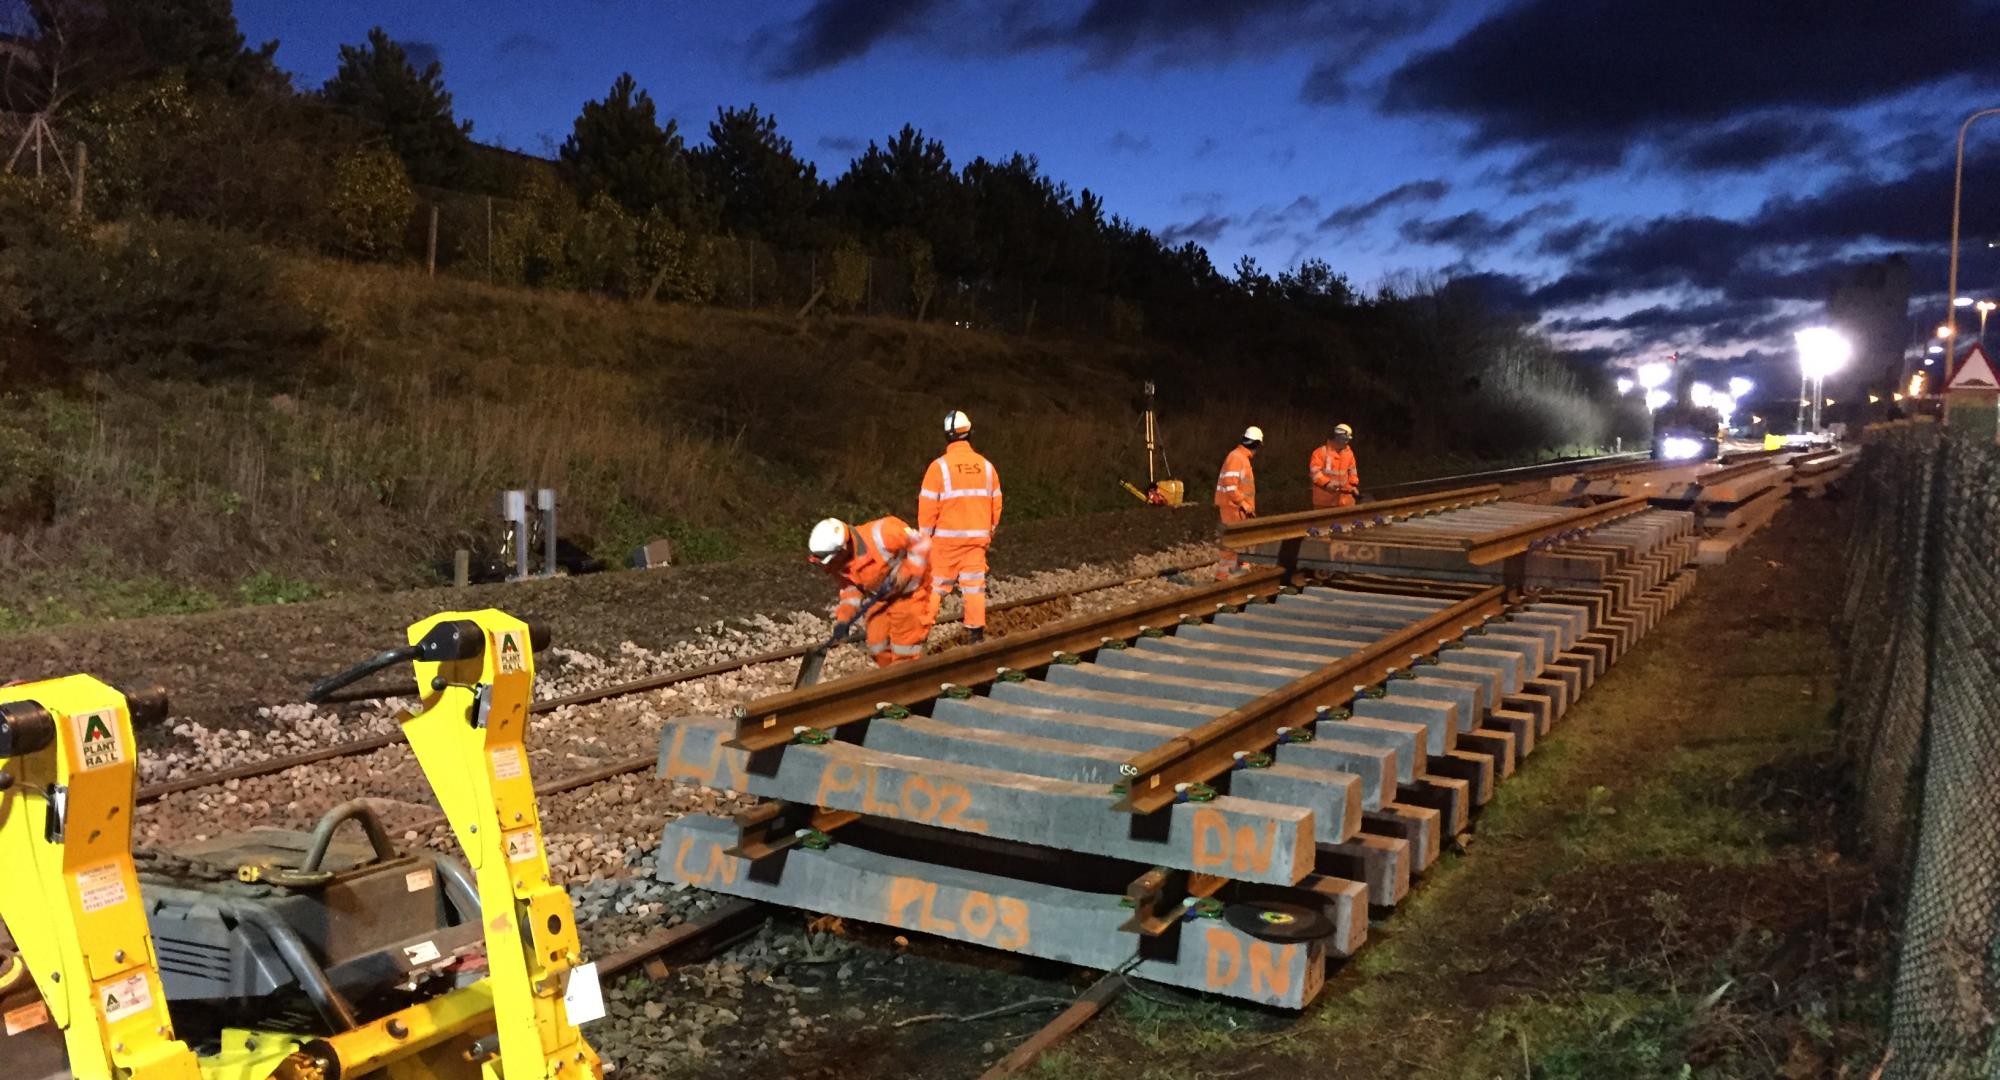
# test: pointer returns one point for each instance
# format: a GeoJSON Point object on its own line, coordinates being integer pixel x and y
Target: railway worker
{"type": "Point", "coordinates": [1236, 489]}
{"type": "Point", "coordinates": [884, 569]}
{"type": "Point", "coordinates": [1335, 479]}
{"type": "Point", "coordinates": [958, 507]}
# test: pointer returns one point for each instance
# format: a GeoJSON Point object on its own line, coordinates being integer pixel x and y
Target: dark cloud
{"type": "Point", "coordinates": [1167, 33]}
{"type": "Point", "coordinates": [1206, 229]}
{"type": "Point", "coordinates": [841, 144]}
{"type": "Point", "coordinates": [1125, 142]}
{"type": "Point", "coordinates": [517, 46]}
{"type": "Point", "coordinates": [832, 32]}
{"type": "Point", "coordinates": [1754, 143]}
{"type": "Point", "coordinates": [1577, 83]}
{"type": "Point", "coordinates": [1476, 230]}
{"type": "Point", "coordinates": [1564, 241]}
{"type": "Point", "coordinates": [1499, 292]}
{"type": "Point", "coordinates": [1410, 194]}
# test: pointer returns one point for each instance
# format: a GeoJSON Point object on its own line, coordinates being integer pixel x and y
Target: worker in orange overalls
{"type": "Point", "coordinates": [958, 507]}
{"type": "Point", "coordinates": [1335, 479]}
{"type": "Point", "coordinates": [1236, 489]}
{"type": "Point", "coordinates": [884, 570]}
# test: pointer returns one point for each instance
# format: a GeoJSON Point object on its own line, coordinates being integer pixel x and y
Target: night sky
{"type": "Point", "coordinates": [1647, 176]}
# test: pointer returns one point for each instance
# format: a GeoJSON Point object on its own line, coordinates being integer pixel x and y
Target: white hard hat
{"type": "Point", "coordinates": [829, 539]}
{"type": "Point", "coordinates": [1343, 429]}
{"type": "Point", "coordinates": [1253, 433]}
{"type": "Point", "coordinates": [957, 423]}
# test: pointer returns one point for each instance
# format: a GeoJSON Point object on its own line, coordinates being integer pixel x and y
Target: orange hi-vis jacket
{"type": "Point", "coordinates": [1236, 488]}
{"type": "Point", "coordinates": [960, 499]}
{"type": "Point", "coordinates": [882, 547]}
{"type": "Point", "coordinates": [1334, 472]}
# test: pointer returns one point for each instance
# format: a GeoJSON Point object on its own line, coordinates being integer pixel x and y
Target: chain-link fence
{"type": "Point", "coordinates": [1922, 728]}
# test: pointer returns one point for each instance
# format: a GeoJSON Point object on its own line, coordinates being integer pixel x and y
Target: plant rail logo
{"type": "Point", "coordinates": [97, 741]}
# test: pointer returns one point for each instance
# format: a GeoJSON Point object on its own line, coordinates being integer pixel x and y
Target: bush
{"type": "Point", "coordinates": [157, 296]}
{"type": "Point", "coordinates": [371, 204]}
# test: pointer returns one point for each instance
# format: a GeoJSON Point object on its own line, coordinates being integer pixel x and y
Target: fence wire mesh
{"type": "Point", "coordinates": [1921, 726]}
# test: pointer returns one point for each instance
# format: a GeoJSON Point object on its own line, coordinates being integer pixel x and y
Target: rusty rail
{"type": "Point", "coordinates": [1304, 523]}
{"type": "Point", "coordinates": [1488, 548]}
{"type": "Point", "coordinates": [1156, 776]}
{"type": "Point", "coordinates": [772, 721]}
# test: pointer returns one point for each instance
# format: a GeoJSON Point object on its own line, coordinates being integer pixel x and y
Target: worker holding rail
{"type": "Point", "coordinates": [884, 570]}
{"type": "Point", "coordinates": [958, 507]}
{"type": "Point", "coordinates": [1336, 481]}
{"type": "Point", "coordinates": [1236, 489]}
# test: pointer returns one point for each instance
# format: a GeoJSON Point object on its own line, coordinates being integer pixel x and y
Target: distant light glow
{"type": "Point", "coordinates": [1917, 383]}
{"type": "Point", "coordinates": [1724, 404]}
{"type": "Point", "coordinates": [1935, 349]}
{"type": "Point", "coordinates": [1822, 351]}
{"type": "Point", "coordinates": [1657, 399]}
{"type": "Point", "coordinates": [1944, 330]}
{"type": "Point", "coordinates": [1963, 301]}
{"type": "Point", "coordinates": [1654, 375]}
{"type": "Point", "coordinates": [1876, 399]}
{"type": "Point", "coordinates": [1679, 448]}
{"type": "Point", "coordinates": [1740, 386]}
{"type": "Point", "coordinates": [1701, 395]}
{"type": "Point", "coordinates": [1625, 384]}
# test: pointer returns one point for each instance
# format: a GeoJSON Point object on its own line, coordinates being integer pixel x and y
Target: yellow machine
{"type": "Point", "coordinates": [71, 895]}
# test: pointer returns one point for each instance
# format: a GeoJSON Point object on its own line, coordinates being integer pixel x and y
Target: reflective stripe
{"type": "Point", "coordinates": [1221, 487]}
{"type": "Point", "coordinates": [964, 534]}
{"type": "Point", "coordinates": [941, 582]}
{"type": "Point", "coordinates": [907, 650]}
{"type": "Point", "coordinates": [974, 575]}
{"type": "Point", "coordinates": [1232, 474]}
{"type": "Point", "coordinates": [881, 549]}
{"type": "Point", "coordinates": [970, 590]}
{"type": "Point", "coordinates": [927, 494]}
{"type": "Point", "coordinates": [964, 493]}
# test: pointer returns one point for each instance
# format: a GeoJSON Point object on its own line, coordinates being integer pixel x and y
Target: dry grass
{"type": "Point", "coordinates": [363, 462]}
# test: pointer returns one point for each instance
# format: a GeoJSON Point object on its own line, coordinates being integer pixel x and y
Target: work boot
{"type": "Point", "coordinates": [978, 634]}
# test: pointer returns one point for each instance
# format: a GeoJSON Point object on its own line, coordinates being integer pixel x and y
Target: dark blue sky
{"type": "Point", "coordinates": [1648, 176]}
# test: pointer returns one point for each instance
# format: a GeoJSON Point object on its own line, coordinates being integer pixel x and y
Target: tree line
{"type": "Point", "coordinates": [185, 119]}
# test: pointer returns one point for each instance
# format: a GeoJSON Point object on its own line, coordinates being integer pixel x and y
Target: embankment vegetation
{"type": "Point", "coordinates": [228, 375]}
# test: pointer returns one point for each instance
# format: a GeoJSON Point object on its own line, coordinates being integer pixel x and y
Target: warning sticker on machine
{"type": "Point", "coordinates": [417, 880]}
{"type": "Point", "coordinates": [513, 659]}
{"type": "Point", "coordinates": [101, 886]}
{"type": "Point", "coordinates": [521, 845]}
{"type": "Point", "coordinates": [26, 1018]}
{"type": "Point", "coordinates": [423, 952]}
{"type": "Point", "coordinates": [583, 998]}
{"type": "Point", "coordinates": [507, 763]}
{"type": "Point", "coordinates": [123, 997]}
{"type": "Point", "coordinates": [97, 741]}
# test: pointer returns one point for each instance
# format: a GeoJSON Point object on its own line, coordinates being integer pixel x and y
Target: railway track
{"type": "Point", "coordinates": [1000, 612]}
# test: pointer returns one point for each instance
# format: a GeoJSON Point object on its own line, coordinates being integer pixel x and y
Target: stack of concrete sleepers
{"type": "Point", "coordinates": [986, 814]}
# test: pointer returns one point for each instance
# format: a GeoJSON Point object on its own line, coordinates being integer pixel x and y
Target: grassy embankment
{"type": "Point", "coordinates": [360, 460]}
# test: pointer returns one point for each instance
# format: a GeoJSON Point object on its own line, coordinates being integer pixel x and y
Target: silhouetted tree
{"type": "Point", "coordinates": [758, 185]}
{"type": "Point", "coordinates": [618, 148]}
{"type": "Point", "coordinates": [909, 184]}
{"type": "Point", "coordinates": [378, 84]}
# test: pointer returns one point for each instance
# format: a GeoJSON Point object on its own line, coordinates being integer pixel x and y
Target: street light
{"type": "Point", "coordinates": [1961, 301]}
{"type": "Point", "coordinates": [1740, 387]}
{"type": "Point", "coordinates": [1656, 399]}
{"type": "Point", "coordinates": [1701, 395]}
{"type": "Point", "coordinates": [1957, 197]}
{"type": "Point", "coordinates": [1822, 351]}
{"type": "Point", "coordinates": [1624, 385]}
{"type": "Point", "coordinates": [1985, 308]}
{"type": "Point", "coordinates": [1654, 375]}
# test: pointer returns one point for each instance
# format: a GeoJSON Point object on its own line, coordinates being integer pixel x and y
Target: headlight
{"type": "Point", "coordinates": [1679, 448]}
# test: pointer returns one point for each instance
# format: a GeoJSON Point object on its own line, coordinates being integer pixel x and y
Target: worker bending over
{"type": "Point", "coordinates": [1236, 489]}
{"type": "Point", "coordinates": [1335, 479]}
{"type": "Point", "coordinates": [958, 507]}
{"type": "Point", "coordinates": [884, 572]}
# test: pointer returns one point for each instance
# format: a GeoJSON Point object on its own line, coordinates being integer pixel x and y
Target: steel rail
{"type": "Point", "coordinates": [1513, 474]}
{"type": "Point", "coordinates": [1304, 523]}
{"type": "Point", "coordinates": [1488, 548]}
{"type": "Point", "coordinates": [1157, 777]}
{"type": "Point", "coordinates": [355, 747]}
{"type": "Point", "coordinates": [773, 721]}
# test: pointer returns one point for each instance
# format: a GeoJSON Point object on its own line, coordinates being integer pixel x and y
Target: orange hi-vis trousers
{"type": "Point", "coordinates": [962, 566]}
{"type": "Point", "coordinates": [897, 629]}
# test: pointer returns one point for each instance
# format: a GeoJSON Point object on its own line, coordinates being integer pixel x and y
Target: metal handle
{"type": "Point", "coordinates": [352, 810]}
{"type": "Point", "coordinates": [360, 671]}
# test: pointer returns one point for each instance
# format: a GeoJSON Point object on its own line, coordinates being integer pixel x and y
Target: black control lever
{"type": "Point", "coordinates": [459, 639]}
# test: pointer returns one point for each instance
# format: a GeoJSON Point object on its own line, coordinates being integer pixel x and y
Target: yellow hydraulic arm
{"type": "Point", "coordinates": [67, 888]}
{"type": "Point", "coordinates": [477, 674]}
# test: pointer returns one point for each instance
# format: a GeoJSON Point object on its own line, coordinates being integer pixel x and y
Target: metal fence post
{"type": "Point", "coordinates": [545, 500]}
{"type": "Point", "coordinates": [514, 508]}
